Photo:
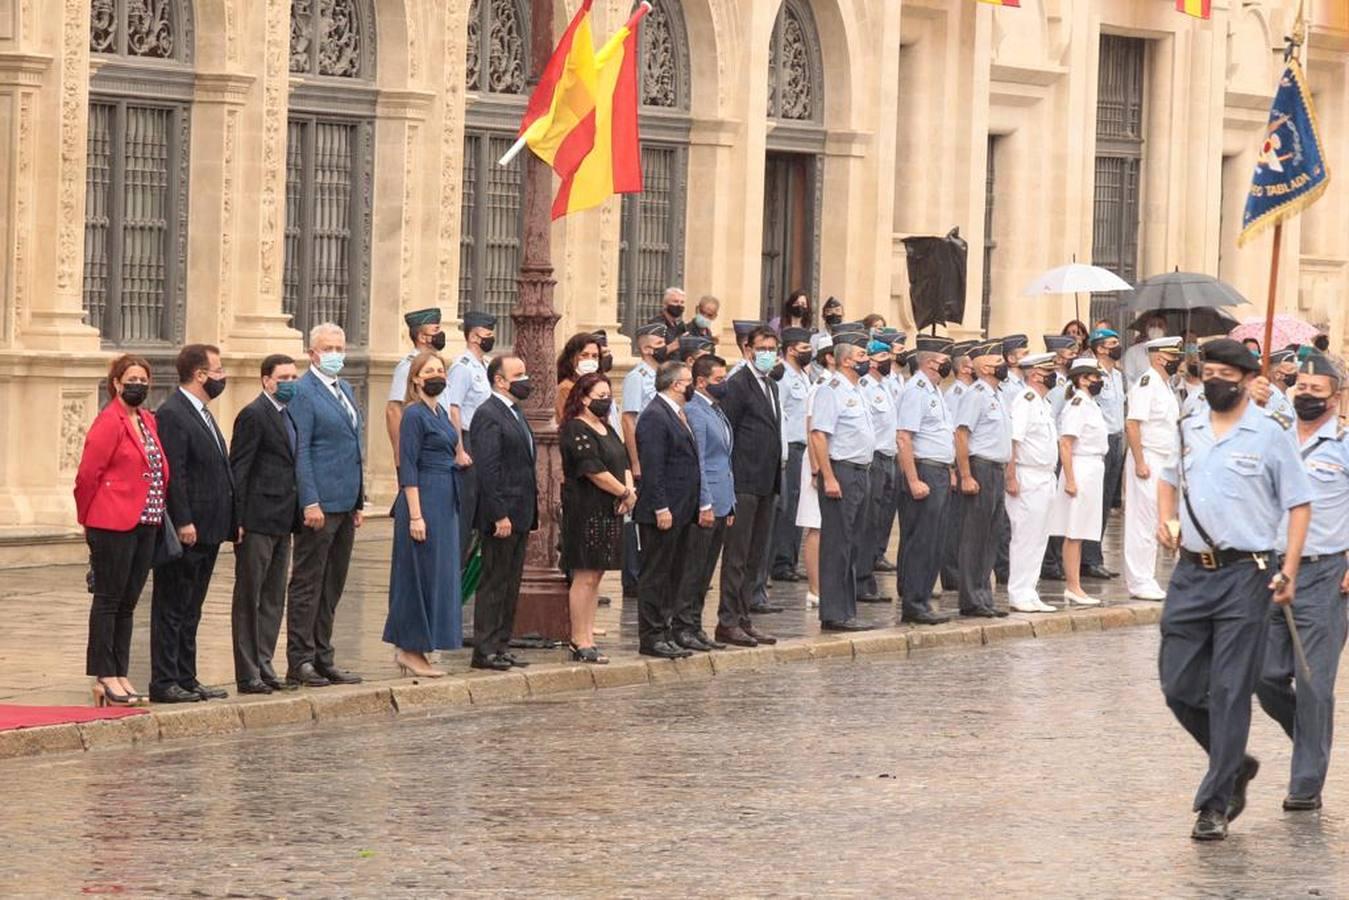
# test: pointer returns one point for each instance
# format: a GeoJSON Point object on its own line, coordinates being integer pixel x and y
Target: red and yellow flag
{"type": "Point", "coordinates": [1014, 3]}
{"type": "Point", "coordinates": [1200, 9]}
{"type": "Point", "coordinates": [558, 124]}
{"type": "Point", "coordinates": [614, 163]}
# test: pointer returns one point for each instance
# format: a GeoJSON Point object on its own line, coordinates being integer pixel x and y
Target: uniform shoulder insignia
{"type": "Point", "coordinates": [1284, 422]}
{"type": "Point", "coordinates": [1030, 395]}
{"type": "Point", "coordinates": [833, 382]}
{"type": "Point", "coordinates": [1144, 380]}
{"type": "Point", "coordinates": [1077, 401]}
{"type": "Point", "coordinates": [1339, 435]}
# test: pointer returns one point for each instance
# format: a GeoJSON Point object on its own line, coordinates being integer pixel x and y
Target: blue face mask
{"type": "Point", "coordinates": [331, 363]}
{"type": "Point", "coordinates": [765, 360]}
{"type": "Point", "coordinates": [285, 391]}
{"type": "Point", "coordinates": [702, 321]}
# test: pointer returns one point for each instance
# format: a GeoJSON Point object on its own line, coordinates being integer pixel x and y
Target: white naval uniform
{"type": "Point", "coordinates": [808, 507]}
{"type": "Point", "coordinates": [1036, 442]}
{"type": "Point", "coordinates": [1153, 405]}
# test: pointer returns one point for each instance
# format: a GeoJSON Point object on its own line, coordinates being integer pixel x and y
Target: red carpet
{"type": "Point", "coordinates": [36, 716]}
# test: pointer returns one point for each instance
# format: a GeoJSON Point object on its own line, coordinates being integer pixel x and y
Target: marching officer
{"type": "Point", "coordinates": [926, 453]}
{"type": "Point", "coordinates": [843, 442]}
{"type": "Point", "coordinates": [883, 502]}
{"type": "Point", "coordinates": [983, 447]}
{"type": "Point", "coordinates": [468, 388]}
{"type": "Point", "coordinates": [1236, 475]}
{"type": "Point", "coordinates": [1031, 481]}
{"type": "Point", "coordinates": [1319, 610]}
{"type": "Point", "coordinates": [1151, 432]}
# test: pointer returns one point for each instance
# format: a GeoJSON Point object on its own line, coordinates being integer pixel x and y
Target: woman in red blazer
{"type": "Point", "coordinates": [119, 496]}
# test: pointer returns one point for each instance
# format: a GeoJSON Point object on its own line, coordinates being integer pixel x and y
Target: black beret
{"type": "Point", "coordinates": [1230, 353]}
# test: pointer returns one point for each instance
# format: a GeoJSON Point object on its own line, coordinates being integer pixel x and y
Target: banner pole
{"type": "Point", "coordinates": [1273, 292]}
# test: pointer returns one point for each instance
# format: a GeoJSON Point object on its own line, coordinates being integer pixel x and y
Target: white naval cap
{"type": "Point", "coordinates": [1162, 344]}
{"type": "Point", "coordinates": [1035, 360]}
{"type": "Point", "coordinates": [1084, 366]}
{"type": "Point", "coordinates": [820, 340]}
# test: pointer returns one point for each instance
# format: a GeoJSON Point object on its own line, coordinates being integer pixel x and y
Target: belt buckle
{"type": "Point", "coordinates": [1208, 559]}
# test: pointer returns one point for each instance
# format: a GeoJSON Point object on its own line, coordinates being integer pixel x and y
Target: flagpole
{"type": "Point", "coordinates": [1273, 293]}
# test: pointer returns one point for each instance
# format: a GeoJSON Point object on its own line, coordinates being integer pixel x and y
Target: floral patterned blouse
{"type": "Point", "coordinates": [153, 514]}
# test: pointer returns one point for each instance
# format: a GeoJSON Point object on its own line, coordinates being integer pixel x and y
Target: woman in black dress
{"type": "Point", "coordinates": [597, 492]}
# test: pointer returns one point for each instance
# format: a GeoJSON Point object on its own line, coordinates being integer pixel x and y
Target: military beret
{"type": "Point", "coordinates": [744, 326]}
{"type": "Point", "coordinates": [985, 348]}
{"type": "Point", "coordinates": [419, 317]}
{"type": "Point", "coordinates": [1038, 361]}
{"type": "Point", "coordinates": [931, 343]}
{"type": "Point", "coordinates": [1102, 334]}
{"type": "Point", "coordinates": [651, 329]}
{"type": "Point", "coordinates": [479, 320]}
{"type": "Point", "coordinates": [795, 335]}
{"type": "Point", "coordinates": [1317, 363]}
{"type": "Point", "coordinates": [1085, 365]}
{"type": "Point", "coordinates": [876, 345]}
{"type": "Point", "coordinates": [1014, 342]}
{"type": "Point", "coordinates": [1230, 353]}
{"type": "Point", "coordinates": [1056, 343]}
{"type": "Point", "coordinates": [1165, 345]}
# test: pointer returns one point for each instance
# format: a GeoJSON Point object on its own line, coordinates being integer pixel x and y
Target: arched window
{"type": "Point", "coordinates": [651, 249]}
{"type": "Point", "coordinates": [135, 234]}
{"type": "Point", "coordinates": [329, 165]}
{"type": "Point", "coordinates": [794, 165]}
{"type": "Point", "coordinates": [491, 229]}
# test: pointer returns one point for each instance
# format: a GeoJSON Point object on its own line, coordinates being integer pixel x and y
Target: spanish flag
{"type": "Point", "coordinates": [558, 124]}
{"type": "Point", "coordinates": [1013, 3]}
{"type": "Point", "coordinates": [614, 163]}
{"type": "Point", "coordinates": [1200, 9]}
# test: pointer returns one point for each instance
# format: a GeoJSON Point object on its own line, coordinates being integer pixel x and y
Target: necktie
{"type": "Point", "coordinates": [342, 399]}
{"type": "Point", "coordinates": [215, 432]}
{"type": "Point", "coordinates": [290, 428]}
{"type": "Point", "coordinates": [529, 434]}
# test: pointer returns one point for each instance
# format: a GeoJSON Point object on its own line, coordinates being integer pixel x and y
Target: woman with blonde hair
{"type": "Point", "coordinates": [424, 590]}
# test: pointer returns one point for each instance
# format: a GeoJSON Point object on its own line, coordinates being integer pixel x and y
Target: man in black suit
{"type": "Point", "coordinates": [508, 508]}
{"type": "Point", "coordinates": [667, 508]}
{"type": "Point", "coordinates": [201, 505]}
{"type": "Point", "coordinates": [755, 412]}
{"type": "Point", "coordinates": [267, 508]}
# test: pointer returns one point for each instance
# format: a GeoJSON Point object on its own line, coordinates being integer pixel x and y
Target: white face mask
{"type": "Point", "coordinates": [1155, 332]}
{"type": "Point", "coordinates": [587, 367]}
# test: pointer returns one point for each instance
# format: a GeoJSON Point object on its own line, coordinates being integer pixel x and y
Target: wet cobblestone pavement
{"type": "Point", "coordinates": [1037, 768]}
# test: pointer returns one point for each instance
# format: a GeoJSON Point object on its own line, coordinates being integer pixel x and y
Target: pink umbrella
{"type": "Point", "coordinates": [1287, 330]}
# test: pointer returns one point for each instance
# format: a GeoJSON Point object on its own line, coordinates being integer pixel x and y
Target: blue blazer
{"type": "Point", "coordinates": [712, 432]}
{"type": "Point", "coordinates": [328, 455]}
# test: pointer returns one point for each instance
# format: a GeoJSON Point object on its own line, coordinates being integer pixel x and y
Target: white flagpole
{"type": "Point", "coordinates": [512, 153]}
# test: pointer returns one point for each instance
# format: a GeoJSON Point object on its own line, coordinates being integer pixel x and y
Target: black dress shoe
{"type": "Point", "coordinates": [758, 636]}
{"type": "Point", "coordinates": [1210, 826]}
{"type": "Point", "coordinates": [496, 663]}
{"type": "Point", "coordinates": [785, 575]}
{"type": "Point", "coordinates": [665, 650]}
{"type": "Point", "coordinates": [1249, 767]}
{"type": "Point", "coordinates": [980, 613]}
{"type": "Point", "coordinates": [256, 686]}
{"type": "Point", "coordinates": [307, 676]}
{"type": "Point", "coordinates": [845, 625]}
{"type": "Point", "coordinates": [175, 693]}
{"type": "Point", "coordinates": [1100, 573]}
{"type": "Point", "coordinates": [764, 609]}
{"type": "Point", "coordinates": [925, 618]}
{"type": "Point", "coordinates": [604, 601]}
{"type": "Point", "coordinates": [1301, 804]}
{"type": "Point", "coordinates": [270, 679]}
{"type": "Point", "coordinates": [208, 693]}
{"type": "Point", "coordinates": [715, 645]}
{"type": "Point", "coordinates": [873, 598]}
{"type": "Point", "coordinates": [1000, 613]}
{"type": "Point", "coordinates": [883, 565]}
{"type": "Point", "coordinates": [690, 641]}
{"type": "Point", "coordinates": [735, 635]}
{"type": "Point", "coordinates": [338, 676]}
{"type": "Point", "coordinates": [518, 662]}
{"type": "Point", "coordinates": [1053, 573]}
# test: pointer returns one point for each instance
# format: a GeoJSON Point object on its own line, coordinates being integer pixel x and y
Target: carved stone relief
{"type": "Point", "coordinates": [74, 422]}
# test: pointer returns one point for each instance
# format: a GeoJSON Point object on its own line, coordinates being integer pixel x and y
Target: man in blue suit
{"type": "Point", "coordinates": [328, 461]}
{"type": "Point", "coordinates": [716, 503]}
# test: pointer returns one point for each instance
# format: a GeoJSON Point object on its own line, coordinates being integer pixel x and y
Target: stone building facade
{"type": "Point", "coordinates": [233, 171]}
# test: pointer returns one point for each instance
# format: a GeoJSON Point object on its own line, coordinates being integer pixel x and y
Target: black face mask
{"type": "Point", "coordinates": [214, 387]}
{"type": "Point", "coordinates": [606, 362]}
{"type": "Point", "coordinates": [600, 408]}
{"type": "Point", "coordinates": [1221, 394]}
{"type": "Point", "coordinates": [832, 319]}
{"type": "Point", "coordinates": [862, 367]}
{"type": "Point", "coordinates": [433, 387]}
{"type": "Point", "coordinates": [1000, 371]}
{"type": "Point", "coordinates": [802, 359]}
{"type": "Point", "coordinates": [777, 372]}
{"type": "Point", "coordinates": [675, 312]}
{"type": "Point", "coordinates": [1095, 388]}
{"type": "Point", "coordinates": [885, 368]}
{"type": "Point", "coordinates": [134, 394]}
{"type": "Point", "coordinates": [717, 391]}
{"type": "Point", "coordinates": [1115, 353]}
{"type": "Point", "coordinates": [660, 354]}
{"type": "Point", "coordinates": [944, 370]}
{"type": "Point", "coordinates": [1171, 367]}
{"type": "Point", "coordinates": [1192, 369]}
{"type": "Point", "coordinates": [438, 341]}
{"type": "Point", "coordinates": [1309, 408]}
{"type": "Point", "coordinates": [487, 344]}
{"type": "Point", "coordinates": [800, 310]}
{"type": "Point", "coordinates": [1290, 380]}
{"type": "Point", "coordinates": [521, 389]}
{"type": "Point", "coordinates": [1051, 381]}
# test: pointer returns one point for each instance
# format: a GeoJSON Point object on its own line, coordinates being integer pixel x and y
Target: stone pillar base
{"type": "Point", "coordinates": [262, 334]}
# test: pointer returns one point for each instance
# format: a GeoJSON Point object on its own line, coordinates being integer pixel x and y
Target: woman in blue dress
{"type": "Point", "coordinates": [424, 607]}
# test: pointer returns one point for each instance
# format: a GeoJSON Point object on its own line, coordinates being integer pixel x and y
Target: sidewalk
{"type": "Point", "coordinates": [42, 651]}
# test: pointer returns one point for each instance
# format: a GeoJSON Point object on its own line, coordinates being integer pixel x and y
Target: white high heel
{"type": "Point", "coordinates": [1069, 598]}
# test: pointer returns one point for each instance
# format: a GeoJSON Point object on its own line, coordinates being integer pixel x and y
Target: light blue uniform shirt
{"type": "Point", "coordinates": [894, 383]}
{"type": "Point", "coordinates": [1012, 388]}
{"type": "Point", "coordinates": [792, 392]}
{"type": "Point", "coordinates": [468, 388]}
{"type": "Point", "coordinates": [1326, 458]}
{"type": "Point", "coordinates": [1058, 396]}
{"type": "Point", "coordinates": [840, 411]}
{"type": "Point", "coordinates": [924, 414]}
{"type": "Point", "coordinates": [1240, 486]}
{"type": "Point", "coordinates": [954, 393]}
{"type": "Point", "coordinates": [1280, 404]}
{"type": "Point", "coordinates": [639, 388]}
{"type": "Point", "coordinates": [1111, 401]}
{"type": "Point", "coordinates": [883, 414]}
{"type": "Point", "coordinates": [982, 412]}
{"type": "Point", "coordinates": [1195, 401]}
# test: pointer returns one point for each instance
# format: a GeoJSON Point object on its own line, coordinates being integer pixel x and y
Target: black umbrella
{"type": "Point", "coordinates": [1190, 301]}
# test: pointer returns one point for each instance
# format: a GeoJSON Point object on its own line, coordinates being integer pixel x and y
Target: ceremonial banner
{"type": "Point", "coordinates": [1200, 9]}
{"type": "Point", "coordinates": [1291, 171]}
{"type": "Point", "coordinates": [558, 124]}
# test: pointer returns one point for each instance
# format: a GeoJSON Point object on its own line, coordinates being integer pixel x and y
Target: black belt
{"type": "Point", "coordinates": [986, 461]}
{"type": "Point", "coordinates": [934, 463]}
{"type": "Point", "coordinates": [851, 465]}
{"type": "Point", "coordinates": [801, 444]}
{"type": "Point", "coordinates": [1321, 557]}
{"type": "Point", "coordinates": [1220, 559]}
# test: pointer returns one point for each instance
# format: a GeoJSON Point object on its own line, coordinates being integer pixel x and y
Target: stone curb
{"type": "Point", "coordinates": [424, 696]}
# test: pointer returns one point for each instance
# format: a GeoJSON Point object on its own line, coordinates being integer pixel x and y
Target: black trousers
{"type": "Point", "coordinates": [318, 576]}
{"type": "Point", "coordinates": [744, 556]}
{"type": "Point", "coordinates": [1114, 475]}
{"type": "Point", "coordinates": [468, 501]}
{"type": "Point", "coordinates": [503, 567]}
{"type": "Point", "coordinates": [120, 561]}
{"type": "Point", "coordinates": [889, 512]}
{"type": "Point", "coordinates": [664, 554]}
{"type": "Point", "coordinates": [632, 559]}
{"type": "Point", "coordinates": [786, 534]}
{"type": "Point", "coordinates": [701, 553]}
{"type": "Point", "coordinates": [922, 536]}
{"type": "Point", "coordinates": [880, 505]}
{"type": "Point", "coordinates": [175, 612]}
{"type": "Point", "coordinates": [952, 522]}
{"type": "Point", "coordinates": [983, 517]}
{"type": "Point", "coordinates": [260, 564]}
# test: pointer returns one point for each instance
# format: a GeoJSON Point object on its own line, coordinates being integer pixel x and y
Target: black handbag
{"type": "Point", "coordinates": [167, 546]}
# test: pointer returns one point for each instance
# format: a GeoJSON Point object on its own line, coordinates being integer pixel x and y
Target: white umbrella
{"type": "Point", "coordinates": [1076, 278]}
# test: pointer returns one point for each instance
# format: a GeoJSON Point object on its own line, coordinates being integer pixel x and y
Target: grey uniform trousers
{"type": "Point", "coordinates": [1307, 714]}
{"type": "Point", "coordinates": [842, 519]}
{"type": "Point", "coordinates": [980, 529]}
{"type": "Point", "coordinates": [889, 511]}
{"type": "Point", "coordinates": [786, 533]}
{"type": "Point", "coordinates": [1213, 643]}
{"type": "Point", "coordinates": [880, 504]}
{"type": "Point", "coordinates": [921, 537]}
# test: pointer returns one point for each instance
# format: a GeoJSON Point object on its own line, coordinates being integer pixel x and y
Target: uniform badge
{"type": "Point", "coordinates": [1285, 421]}
{"type": "Point", "coordinates": [1143, 382]}
{"type": "Point", "coordinates": [852, 401]}
{"type": "Point", "coordinates": [1030, 395]}
{"type": "Point", "coordinates": [1077, 401]}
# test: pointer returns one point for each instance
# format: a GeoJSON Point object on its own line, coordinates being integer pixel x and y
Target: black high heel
{"type": "Point", "coordinates": [590, 655]}
{"type": "Point", "coordinates": [106, 696]}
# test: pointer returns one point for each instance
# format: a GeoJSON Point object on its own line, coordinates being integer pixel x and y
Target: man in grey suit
{"type": "Point", "coordinates": [328, 461]}
{"type": "Point", "coordinates": [716, 505]}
